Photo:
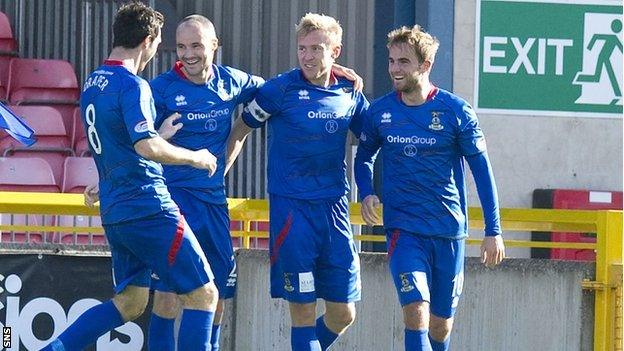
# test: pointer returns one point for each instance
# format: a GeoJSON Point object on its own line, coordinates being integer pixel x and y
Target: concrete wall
{"type": "Point", "coordinates": [532, 152]}
{"type": "Point", "coordinates": [521, 305]}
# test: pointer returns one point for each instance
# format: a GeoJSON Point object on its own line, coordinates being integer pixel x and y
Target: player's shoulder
{"type": "Point", "coordinates": [452, 101]}
{"type": "Point", "coordinates": [164, 79]}
{"type": "Point", "coordinates": [344, 83]}
{"type": "Point", "coordinates": [283, 81]}
{"type": "Point", "coordinates": [132, 83]}
{"type": "Point", "coordinates": [235, 74]}
{"type": "Point", "coordinates": [383, 103]}
{"type": "Point", "coordinates": [224, 71]}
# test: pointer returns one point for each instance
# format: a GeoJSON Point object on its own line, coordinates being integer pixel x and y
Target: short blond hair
{"type": "Point", "coordinates": [425, 45]}
{"type": "Point", "coordinates": [314, 21]}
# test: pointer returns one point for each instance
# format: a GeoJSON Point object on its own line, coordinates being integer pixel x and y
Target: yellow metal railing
{"type": "Point", "coordinates": [606, 224]}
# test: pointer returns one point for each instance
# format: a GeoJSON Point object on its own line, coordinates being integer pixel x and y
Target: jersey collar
{"type": "Point", "coordinates": [113, 62]}
{"type": "Point", "coordinates": [432, 93]}
{"type": "Point", "coordinates": [177, 68]}
{"type": "Point", "coordinates": [333, 80]}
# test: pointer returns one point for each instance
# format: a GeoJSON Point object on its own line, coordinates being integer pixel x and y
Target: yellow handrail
{"type": "Point", "coordinates": [606, 224]}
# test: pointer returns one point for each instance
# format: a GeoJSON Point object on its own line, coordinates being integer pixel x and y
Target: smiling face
{"type": "Point", "coordinates": [406, 71]}
{"type": "Point", "coordinates": [196, 45]}
{"type": "Point", "coordinates": [317, 53]}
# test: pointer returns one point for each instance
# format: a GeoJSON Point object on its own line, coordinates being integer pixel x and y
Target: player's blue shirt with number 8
{"type": "Point", "coordinates": [117, 110]}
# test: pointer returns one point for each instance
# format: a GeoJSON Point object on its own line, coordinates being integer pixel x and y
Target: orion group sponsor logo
{"type": "Point", "coordinates": [414, 139]}
{"type": "Point", "coordinates": [192, 116]}
{"type": "Point", "coordinates": [324, 115]}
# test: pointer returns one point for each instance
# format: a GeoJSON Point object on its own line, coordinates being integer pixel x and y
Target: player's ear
{"type": "Point", "coordinates": [147, 42]}
{"type": "Point", "coordinates": [426, 66]}
{"type": "Point", "coordinates": [336, 51]}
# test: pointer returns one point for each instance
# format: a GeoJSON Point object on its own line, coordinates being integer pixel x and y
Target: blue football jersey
{"type": "Point", "coordinates": [117, 110]}
{"type": "Point", "coordinates": [307, 130]}
{"type": "Point", "coordinates": [206, 111]}
{"type": "Point", "coordinates": [423, 170]}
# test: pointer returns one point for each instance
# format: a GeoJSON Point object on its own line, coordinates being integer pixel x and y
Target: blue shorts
{"type": "Point", "coordinates": [312, 251]}
{"type": "Point", "coordinates": [163, 244]}
{"type": "Point", "coordinates": [427, 269]}
{"type": "Point", "coordinates": [211, 225]}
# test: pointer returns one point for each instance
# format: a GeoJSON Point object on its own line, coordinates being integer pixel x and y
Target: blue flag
{"type": "Point", "coordinates": [16, 127]}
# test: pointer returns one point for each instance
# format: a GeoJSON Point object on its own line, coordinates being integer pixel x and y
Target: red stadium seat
{"type": "Point", "coordinates": [26, 174]}
{"type": "Point", "coordinates": [42, 82]}
{"type": "Point", "coordinates": [55, 158]}
{"type": "Point", "coordinates": [79, 172]}
{"type": "Point", "coordinates": [8, 45]}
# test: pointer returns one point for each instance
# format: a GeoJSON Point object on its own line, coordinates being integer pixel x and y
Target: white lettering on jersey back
{"type": "Point", "coordinates": [95, 81]}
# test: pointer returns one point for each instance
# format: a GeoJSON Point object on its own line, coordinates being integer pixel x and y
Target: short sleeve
{"type": "Point", "coordinates": [138, 111]}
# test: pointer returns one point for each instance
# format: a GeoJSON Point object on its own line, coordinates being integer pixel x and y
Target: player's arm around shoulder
{"type": "Point", "coordinates": [159, 150]}
{"type": "Point", "coordinates": [236, 140]}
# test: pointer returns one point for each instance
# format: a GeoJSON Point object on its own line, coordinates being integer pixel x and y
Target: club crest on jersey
{"type": "Point", "coordinates": [287, 283]}
{"type": "Point", "coordinates": [180, 100]}
{"type": "Point", "coordinates": [435, 121]}
{"type": "Point", "coordinates": [406, 284]}
{"type": "Point", "coordinates": [386, 117]}
{"type": "Point", "coordinates": [304, 95]}
{"type": "Point", "coordinates": [222, 91]}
